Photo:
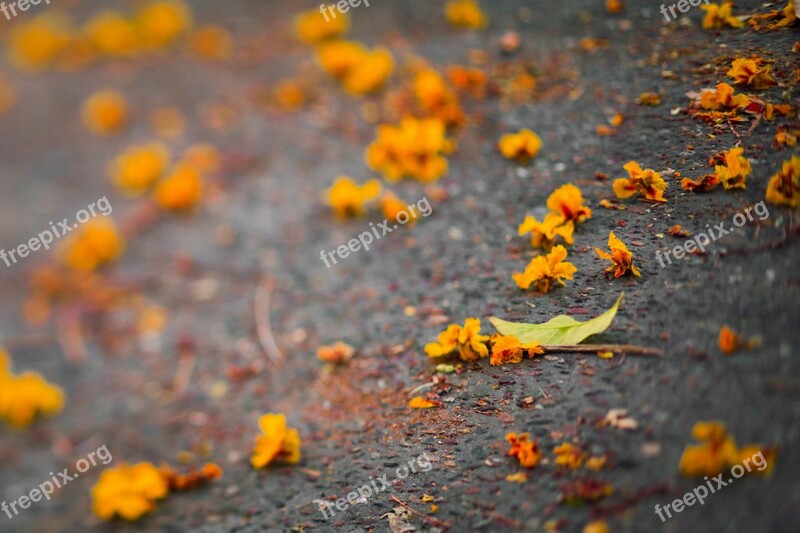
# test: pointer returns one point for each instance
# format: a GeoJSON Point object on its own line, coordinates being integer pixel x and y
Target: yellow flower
{"type": "Point", "coordinates": [418, 402]}
{"type": "Point", "coordinates": [526, 451]}
{"type": "Point", "coordinates": [544, 234]}
{"type": "Point", "coordinates": [784, 186]}
{"type": "Point", "coordinates": [393, 207]}
{"type": "Point", "coordinates": [722, 97]}
{"type": "Point", "coordinates": [312, 27]}
{"type": "Point", "coordinates": [37, 43]}
{"type": "Point", "coordinates": [210, 42]}
{"type": "Point", "coordinates": [720, 15]}
{"type": "Point", "coordinates": [522, 146]}
{"type": "Point", "coordinates": [569, 456]}
{"type": "Point", "coordinates": [412, 149]}
{"type": "Point", "coordinates": [340, 57]}
{"type": "Point", "coordinates": [24, 396]}
{"type": "Point", "coordinates": [136, 169]}
{"type": "Point", "coordinates": [734, 172]}
{"type": "Point", "coordinates": [436, 98]}
{"type": "Point", "coordinates": [338, 353]}
{"type": "Point", "coordinates": [289, 94]}
{"type": "Point", "coordinates": [347, 198]}
{"type": "Point", "coordinates": [92, 245]}
{"type": "Point", "coordinates": [465, 14]}
{"type": "Point", "coordinates": [598, 526]}
{"type": "Point", "coordinates": [647, 182]}
{"type": "Point", "coordinates": [567, 201]}
{"type": "Point", "coordinates": [111, 33]}
{"type": "Point", "coordinates": [717, 451]}
{"type": "Point", "coordinates": [278, 442]}
{"type": "Point", "coordinates": [507, 349]}
{"type": "Point", "coordinates": [620, 257]}
{"type": "Point", "coordinates": [467, 339]}
{"type": "Point", "coordinates": [105, 112]}
{"type": "Point", "coordinates": [747, 72]}
{"type": "Point", "coordinates": [545, 271]}
{"type": "Point", "coordinates": [128, 491]}
{"type": "Point", "coordinates": [161, 22]}
{"type": "Point", "coordinates": [181, 190]}
{"type": "Point", "coordinates": [370, 74]}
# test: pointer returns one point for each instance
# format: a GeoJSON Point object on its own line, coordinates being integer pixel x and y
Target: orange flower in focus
{"type": "Point", "coordinates": [784, 186]}
{"type": "Point", "coordinates": [111, 33]}
{"type": "Point", "coordinates": [722, 98]}
{"type": "Point", "coordinates": [748, 72]}
{"type": "Point", "coordinates": [647, 182]}
{"type": "Point", "coordinates": [338, 353]}
{"type": "Point", "coordinates": [92, 245]}
{"type": "Point", "coordinates": [735, 170]}
{"type": "Point", "coordinates": [210, 42]}
{"type": "Point", "coordinates": [278, 442]}
{"type": "Point", "coordinates": [522, 146]}
{"type": "Point", "coordinates": [311, 26]}
{"type": "Point", "coordinates": [544, 234]}
{"type": "Point", "coordinates": [181, 190]}
{"type": "Point", "coordinates": [161, 22]}
{"type": "Point", "coordinates": [543, 272]}
{"type": "Point", "coordinates": [620, 257]}
{"type": "Point", "coordinates": [347, 198]}
{"type": "Point", "coordinates": [527, 452]}
{"type": "Point", "coordinates": [469, 342]}
{"type": "Point", "coordinates": [567, 201]}
{"type": "Point", "coordinates": [35, 44]}
{"type": "Point", "coordinates": [507, 349]}
{"type": "Point", "coordinates": [465, 14]}
{"type": "Point", "coordinates": [720, 15]}
{"type": "Point", "coordinates": [137, 169]}
{"type": "Point", "coordinates": [128, 491]}
{"type": "Point", "coordinates": [569, 456]}
{"type": "Point", "coordinates": [105, 112]}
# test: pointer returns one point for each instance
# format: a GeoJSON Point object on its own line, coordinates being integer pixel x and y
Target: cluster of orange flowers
{"type": "Point", "coordinates": [348, 199]}
{"type": "Point", "coordinates": [49, 40]}
{"type": "Point", "coordinates": [415, 148]}
{"type": "Point", "coordinates": [528, 453]}
{"type": "Point", "coordinates": [470, 345]}
{"type": "Point", "coordinates": [717, 451]}
{"type": "Point", "coordinates": [25, 396]}
{"type": "Point", "coordinates": [646, 182]}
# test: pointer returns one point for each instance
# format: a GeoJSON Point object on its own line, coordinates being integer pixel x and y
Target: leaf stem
{"type": "Point", "coordinates": [630, 349]}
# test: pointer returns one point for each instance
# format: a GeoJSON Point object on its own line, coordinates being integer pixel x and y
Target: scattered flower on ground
{"type": "Point", "coordinates": [25, 396]}
{"type": "Point", "coordinates": [567, 201]}
{"type": "Point", "coordinates": [544, 234]}
{"type": "Point", "coordinates": [507, 349]}
{"type": "Point", "coordinates": [92, 245]}
{"type": "Point", "coordinates": [337, 353]}
{"type": "Point", "coordinates": [647, 182]}
{"type": "Point", "coordinates": [128, 491]}
{"type": "Point", "coordinates": [784, 187]}
{"type": "Point", "coordinates": [466, 339]}
{"type": "Point", "coordinates": [105, 112]}
{"type": "Point", "coordinates": [465, 14]}
{"type": "Point", "coordinates": [139, 167]}
{"type": "Point", "coordinates": [278, 442]}
{"type": "Point", "coordinates": [620, 257]}
{"type": "Point", "coordinates": [521, 146]}
{"type": "Point", "coordinates": [733, 173]}
{"type": "Point", "coordinates": [719, 16]}
{"type": "Point", "coordinates": [544, 272]}
{"type": "Point", "coordinates": [526, 451]}
{"type": "Point", "coordinates": [348, 199]}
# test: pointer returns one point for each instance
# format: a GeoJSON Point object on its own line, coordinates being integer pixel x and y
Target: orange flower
{"type": "Point", "coordinates": [128, 491]}
{"type": "Point", "coordinates": [192, 479]}
{"type": "Point", "coordinates": [527, 452]}
{"type": "Point", "coordinates": [467, 339]}
{"type": "Point", "coordinates": [339, 57]}
{"type": "Point", "coordinates": [181, 190]}
{"type": "Point", "coordinates": [784, 186]}
{"type": "Point", "coordinates": [522, 146]}
{"type": "Point", "coordinates": [569, 456]}
{"type": "Point", "coordinates": [92, 245]}
{"type": "Point", "coordinates": [731, 342]}
{"type": "Point", "coordinates": [720, 15]}
{"type": "Point", "coordinates": [414, 149]}
{"type": "Point", "coordinates": [347, 198]}
{"type": "Point", "coordinates": [722, 97]}
{"type": "Point", "coordinates": [545, 271]}
{"type": "Point", "coordinates": [25, 396]}
{"type": "Point", "coordinates": [111, 33]}
{"type": "Point", "coordinates": [136, 169]}
{"type": "Point", "coordinates": [614, 6]}
{"type": "Point", "coordinates": [393, 207]}
{"type": "Point", "coordinates": [735, 170]}
{"type": "Point", "coordinates": [289, 94]}
{"type": "Point", "coordinates": [544, 234]}
{"type": "Point", "coordinates": [161, 22]}
{"type": "Point", "coordinates": [312, 27]}
{"type": "Point", "coordinates": [647, 182]}
{"type": "Point", "coordinates": [748, 72]}
{"type": "Point", "coordinates": [507, 349]}
{"type": "Point", "coordinates": [210, 42]}
{"type": "Point", "coordinates": [620, 257]}
{"type": "Point", "coordinates": [567, 201]}
{"type": "Point", "coordinates": [465, 14]}
{"type": "Point", "coordinates": [337, 353]}
{"type": "Point", "coordinates": [436, 98]}
{"type": "Point", "coordinates": [418, 402]}
{"type": "Point", "coordinates": [278, 442]}
{"type": "Point", "coordinates": [370, 73]}
{"type": "Point", "coordinates": [653, 99]}
{"type": "Point", "coordinates": [717, 451]}
{"type": "Point", "coordinates": [704, 184]}
{"type": "Point", "coordinates": [35, 44]}
{"type": "Point", "coordinates": [105, 112]}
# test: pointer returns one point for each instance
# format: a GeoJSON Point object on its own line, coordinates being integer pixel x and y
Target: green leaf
{"type": "Point", "coordinates": [562, 330]}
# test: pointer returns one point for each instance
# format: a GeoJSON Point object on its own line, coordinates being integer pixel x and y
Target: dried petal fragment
{"type": "Point", "coordinates": [337, 353]}
{"type": "Point", "coordinates": [418, 402]}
